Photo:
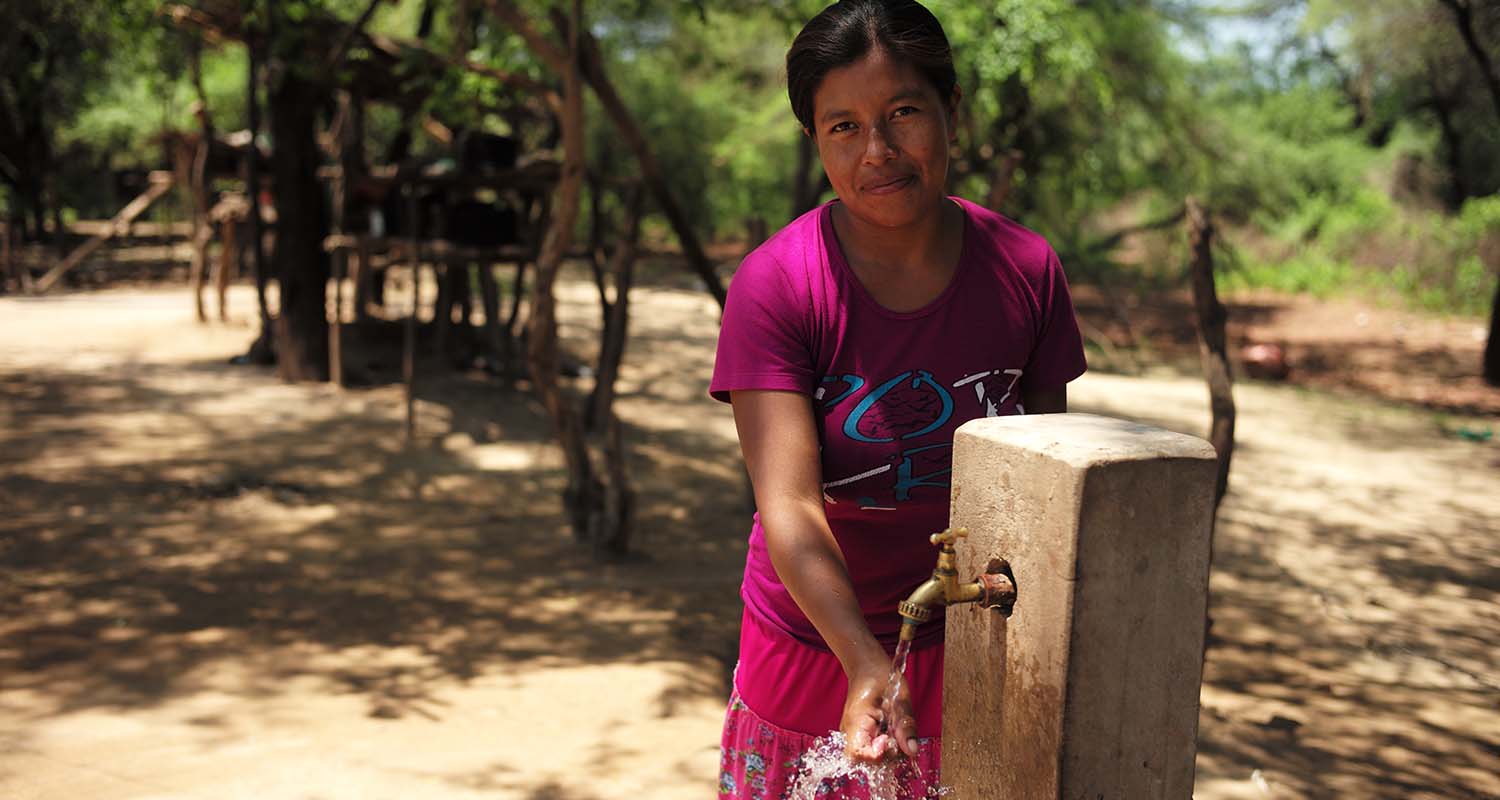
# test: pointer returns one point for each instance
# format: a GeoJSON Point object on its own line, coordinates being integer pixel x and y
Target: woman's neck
{"type": "Point", "coordinates": [903, 269]}
{"type": "Point", "coordinates": [930, 243]}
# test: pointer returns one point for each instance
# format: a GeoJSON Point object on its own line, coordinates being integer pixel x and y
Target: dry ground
{"type": "Point", "coordinates": [219, 586]}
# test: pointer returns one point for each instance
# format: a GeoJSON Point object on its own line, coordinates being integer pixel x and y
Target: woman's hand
{"type": "Point", "coordinates": [867, 736]}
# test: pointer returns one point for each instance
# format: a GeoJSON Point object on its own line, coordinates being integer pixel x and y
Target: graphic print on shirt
{"type": "Point", "coordinates": [993, 388]}
{"type": "Point", "coordinates": [902, 409]}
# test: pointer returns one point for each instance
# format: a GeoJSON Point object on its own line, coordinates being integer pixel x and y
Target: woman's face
{"type": "Point", "coordinates": [883, 132]}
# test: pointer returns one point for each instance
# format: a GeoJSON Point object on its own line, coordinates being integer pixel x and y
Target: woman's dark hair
{"type": "Point", "coordinates": [845, 31]}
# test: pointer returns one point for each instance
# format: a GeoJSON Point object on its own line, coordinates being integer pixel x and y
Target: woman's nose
{"type": "Point", "coordinates": [878, 146]}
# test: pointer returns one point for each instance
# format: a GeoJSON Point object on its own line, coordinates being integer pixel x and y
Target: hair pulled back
{"type": "Point", "coordinates": [844, 32]}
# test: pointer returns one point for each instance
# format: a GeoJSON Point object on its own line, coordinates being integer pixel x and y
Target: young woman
{"type": "Point", "coordinates": [854, 342]}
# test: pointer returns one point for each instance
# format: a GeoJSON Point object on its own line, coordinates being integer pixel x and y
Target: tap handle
{"type": "Point", "coordinates": [949, 537]}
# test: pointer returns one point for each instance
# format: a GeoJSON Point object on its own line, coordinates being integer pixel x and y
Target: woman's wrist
{"type": "Point", "coordinates": [867, 659]}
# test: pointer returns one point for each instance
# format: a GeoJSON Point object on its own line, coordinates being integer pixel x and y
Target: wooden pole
{"type": "Point", "coordinates": [160, 182]}
{"type": "Point", "coordinates": [409, 348]}
{"type": "Point", "coordinates": [341, 195]}
{"type": "Point", "coordinates": [490, 291]}
{"type": "Point", "coordinates": [1212, 341]}
{"type": "Point", "coordinates": [362, 274]}
{"type": "Point", "coordinates": [336, 336]}
{"type": "Point", "coordinates": [229, 261]}
{"type": "Point", "coordinates": [7, 257]}
{"type": "Point", "coordinates": [252, 190]}
{"type": "Point", "coordinates": [447, 275]}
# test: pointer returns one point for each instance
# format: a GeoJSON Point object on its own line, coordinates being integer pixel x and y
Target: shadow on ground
{"type": "Point", "coordinates": [131, 560]}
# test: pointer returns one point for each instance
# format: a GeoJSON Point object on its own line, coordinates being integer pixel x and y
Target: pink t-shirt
{"type": "Point", "coordinates": [889, 389]}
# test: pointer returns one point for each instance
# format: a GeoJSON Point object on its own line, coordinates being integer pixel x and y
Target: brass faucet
{"type": "Point", "coordinates": [994, 589]}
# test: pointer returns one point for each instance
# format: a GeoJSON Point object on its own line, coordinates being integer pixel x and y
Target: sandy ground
{"type": "Point", "coordinates": [218, 586]}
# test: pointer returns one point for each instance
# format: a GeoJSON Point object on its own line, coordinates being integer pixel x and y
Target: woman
{"type": "Point", "coordinates": [854, 342]}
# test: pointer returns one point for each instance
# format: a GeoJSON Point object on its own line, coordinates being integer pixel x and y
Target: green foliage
{"type": "Point", "coordinates": [1370, 247]}
{"type": "Point", "coordinates": [135, 104]}
{"type": "Point", "coordinates": [1354, 150]}
{"type": "Point", "coordinates": [710, 96]}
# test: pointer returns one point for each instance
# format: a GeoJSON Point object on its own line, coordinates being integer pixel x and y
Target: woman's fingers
{"type": "Point", "coordinates": [902, 725]}
{"type": "Point", "coordinates": [905, 733]}
{"type": "Point", "coordinates": [866, 743]}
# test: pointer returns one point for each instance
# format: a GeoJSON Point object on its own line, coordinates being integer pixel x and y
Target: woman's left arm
{"type": "Point", "coordinates": [1045, 401]}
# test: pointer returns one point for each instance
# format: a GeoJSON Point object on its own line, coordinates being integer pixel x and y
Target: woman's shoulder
{"type": "Point", "coordinates": [995, 233]}
{"type": "Point", "coordinates": [787, 260]}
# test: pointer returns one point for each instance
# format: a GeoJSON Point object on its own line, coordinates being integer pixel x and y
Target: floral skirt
{"type": "Point", "coordinates": [760, 761]}
{"type": "Point", "coordinates": [787, 696]}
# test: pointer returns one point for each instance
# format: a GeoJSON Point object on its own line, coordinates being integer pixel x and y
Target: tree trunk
{"type": "Point", "coordinates": [202, 228]}
{"type": "Point", "coordinates": [1463, 17]}
{"type": "Point", "coordinates": [1458, 187]}
{"type": "Point", "coordinates": [262, 350]}
{"type": "Point", "coordinates": [592, 65]}
{"type": "Point", "coordinates": [583, 492]}
{"type": "Point", "coordinates": [593, 68]}
{"type": "Point", "coordinates": [1213, 342]}
{"type": "Point", "coordinates": [300, 265]}
{"type": "Point", "coordinates": [617, 319]}
{"type": "Point", "coordinates": [612, 532]}
{"type": "Point", "coordinates": [610, 528]}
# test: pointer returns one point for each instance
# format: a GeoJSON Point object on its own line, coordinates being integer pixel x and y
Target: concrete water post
{"type": "Point", "coordinates": [1089, 689]}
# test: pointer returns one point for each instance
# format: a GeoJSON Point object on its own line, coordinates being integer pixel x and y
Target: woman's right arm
{"type": "Point", "coordinates": [779, 441]}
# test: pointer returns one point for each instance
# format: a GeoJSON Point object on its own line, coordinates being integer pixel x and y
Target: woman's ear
{"type": "Point", "coordinates": [807, 132]}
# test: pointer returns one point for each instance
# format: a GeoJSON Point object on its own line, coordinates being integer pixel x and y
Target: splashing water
{"type": "Point", "coordinates": [826, 763]}
{"type": "Point", "coordinates": [826, 767]}
{"type": "Point", "coordinates": [826, 772]}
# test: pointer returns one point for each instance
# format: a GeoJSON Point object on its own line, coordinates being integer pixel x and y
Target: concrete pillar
{"type": "Point", "coordinates": [1090, 688]}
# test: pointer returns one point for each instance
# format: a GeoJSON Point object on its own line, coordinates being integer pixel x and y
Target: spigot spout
{"type": "Point", "coordinates": [992, 590]}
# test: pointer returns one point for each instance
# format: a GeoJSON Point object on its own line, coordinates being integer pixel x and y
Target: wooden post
{"type": "Point", "coordinates": [1089, 689]}
{"type": "Point", "coordinates": [447, 274]}
{"type": "Point", "coordinates": [1213, 342]}
{"type": "Point", "coordinates": [159, 184]}
{"type": "Point", "coordinates": [409, 347]}
{"type": "Point", "coordinates": [229, 262]}
{"type": "Point", "coordinates": [336, 335]}
{"type": "Point", "coordinates": [490, 291]}
{"type": "Point", "coordinates": [253, 189]}
{"type": "Point", "coordinates": [7, 258]}
{"type": "Point", "coordinates": [362, 273]}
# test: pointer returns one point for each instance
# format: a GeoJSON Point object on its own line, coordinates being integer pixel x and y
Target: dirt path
{"type": "Point", "coordinates": [220, 586]}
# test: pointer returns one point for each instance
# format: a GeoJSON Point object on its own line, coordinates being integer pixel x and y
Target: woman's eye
{"type": "Point", "coordinates": [904, 111]}
{"type": "Point", "coordinates": [841, 127]}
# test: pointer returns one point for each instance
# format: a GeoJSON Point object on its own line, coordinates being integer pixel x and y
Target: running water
{"type": "Point", "coordinates": [893, 685]}
{"type": "Point", "coordinates": [825, 766]}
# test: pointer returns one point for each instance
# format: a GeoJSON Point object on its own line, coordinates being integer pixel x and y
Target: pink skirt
{"type": "Point", "coordinates": [787, 695]}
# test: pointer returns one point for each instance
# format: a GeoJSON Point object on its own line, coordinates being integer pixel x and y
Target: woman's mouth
{"type": "Point", "coordinates": [889, 185]}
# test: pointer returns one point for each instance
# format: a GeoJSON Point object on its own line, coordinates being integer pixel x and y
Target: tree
{"type": "Point", "coordinates": [51, 55]}
{"type": "Point", "coordinates": [296, 91]}
{"type": "Point", "coordinates": [1464, 18]}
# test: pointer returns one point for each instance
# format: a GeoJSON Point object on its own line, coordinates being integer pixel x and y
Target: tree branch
{"type": "Point", "coordinates": [1463, 17]}
{"type": "Point", "coordinates": [554, 56]}
{"type": "Point", "coordinates": [336, 56]}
